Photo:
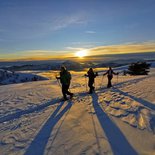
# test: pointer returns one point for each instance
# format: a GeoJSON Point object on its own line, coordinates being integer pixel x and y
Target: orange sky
{"type": "Point", "coordinates": [100, 50]}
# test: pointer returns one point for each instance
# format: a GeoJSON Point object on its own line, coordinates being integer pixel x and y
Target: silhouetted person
{"type": "Point", "coordinates": [34, 78]}
{"type": "Point", "coordinates": [65, 78]}
{"type": "Point", "coordinates": [91, 75]}
{"type": "Point", "coordinates": [124, 72]}
{"type": "Point", "coordinates": [110, 73]}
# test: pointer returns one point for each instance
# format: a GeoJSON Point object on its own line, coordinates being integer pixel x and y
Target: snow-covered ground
{"type": "Point", "coordinates": [119, 120]}
{"type": "Point", "coordinates": [8, 77]}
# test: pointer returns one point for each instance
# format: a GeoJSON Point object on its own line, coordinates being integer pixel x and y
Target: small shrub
{"type": "Point", "coordinates": [139, 68]}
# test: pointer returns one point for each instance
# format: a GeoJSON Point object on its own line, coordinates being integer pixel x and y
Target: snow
{"type": "Point", "coordinates": [119, 120]}
{"type": "Point", "coordinates": [8, 77]}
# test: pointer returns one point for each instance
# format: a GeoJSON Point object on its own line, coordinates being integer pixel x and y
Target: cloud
{"type": "Point", "coordinates": [124, 48]}
{"type": "Point", "coordinates": [37, 26]}
{"type": "Point", "coordinates": [90, 32]}
{"type": "Point", "coordinates": [136, 47]}
{"type": "Point", "coordinates": [34, 55]}
{"type": "Point", "coordinates": [74, 48]}
{"type": "Point", "coordinates": [85, 43]}
{"type": "Point", "coordinates": [66, 21]}
{"type": "Point", "coordinates": [82, 45]}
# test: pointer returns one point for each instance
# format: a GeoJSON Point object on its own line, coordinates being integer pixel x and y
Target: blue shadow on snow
{"type": "Point", "coordinates": [20, 113]}
{"type": "Point", "coordinates": [140, 100]}
{"type": "Point", "coordinates": [119, 144]}
{"type": "Point", "coordinates": [38, 145]}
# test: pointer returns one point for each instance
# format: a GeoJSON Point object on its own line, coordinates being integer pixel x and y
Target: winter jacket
{"type": "Point", "coordinates": [65, 77]}
{"type": "Point", "coordinates": [110, 73]}
{"type": "Point", "coordinates": [91, 76]}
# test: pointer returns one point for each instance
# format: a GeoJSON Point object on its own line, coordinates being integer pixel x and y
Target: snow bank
{"type": "Point", "coordinates": [8, 77]}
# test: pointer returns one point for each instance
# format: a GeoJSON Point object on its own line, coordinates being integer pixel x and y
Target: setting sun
{"type": "Point", "coordinates": [81, 54]}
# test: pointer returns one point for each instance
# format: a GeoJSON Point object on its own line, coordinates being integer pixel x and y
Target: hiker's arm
{"type": "Point", "coordinates": [86, 75]}
{"type": "Point", "coordinates": [96, 74]}
{"type": "Point", "coordinates": [105, 73]}
{"type": "Point", "coordinates": [115, 73]}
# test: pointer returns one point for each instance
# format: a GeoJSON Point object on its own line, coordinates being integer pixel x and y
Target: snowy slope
{"type": "Point", "coordinates": [119, 121]}
{"type": "Point", "coordinates": [9, 77]}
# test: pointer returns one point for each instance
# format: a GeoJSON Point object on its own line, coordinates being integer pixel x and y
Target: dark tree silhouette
{"type": "Point", "coordinates": [139, 68]}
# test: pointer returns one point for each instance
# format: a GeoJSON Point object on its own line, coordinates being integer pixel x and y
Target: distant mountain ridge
{"type": "Point", "coordinates": [79, 64]}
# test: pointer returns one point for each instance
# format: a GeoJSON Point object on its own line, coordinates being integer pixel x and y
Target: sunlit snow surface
{"type": "Point", "coordinates": [119, 120]}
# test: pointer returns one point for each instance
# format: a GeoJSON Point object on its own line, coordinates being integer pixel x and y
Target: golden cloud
{"type": "Point", "coordinates": [124, 48]}
{"type": "Point", "coordinates": [100, 50]}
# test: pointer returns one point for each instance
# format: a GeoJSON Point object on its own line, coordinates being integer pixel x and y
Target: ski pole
{"type": "Point", "coordinates": [101, 81]}
{"type": "Point", "coordinates": [59, 83]}
{"type": "Point", "coordinates": [58, 80]}
{"type": "Point", "coordinates": [86, 83]}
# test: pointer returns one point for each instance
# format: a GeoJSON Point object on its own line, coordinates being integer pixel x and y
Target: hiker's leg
{"type": "Point", "coordinates": [67, 91]}
{"type": "Point", "coordinates": [64, 91]}
{"type": "Point", "coordinates": [109, 81]}
{"type": "Point", "coordinates": [90, 86]}
{"type": "Point", "coordinates": [110, 85]}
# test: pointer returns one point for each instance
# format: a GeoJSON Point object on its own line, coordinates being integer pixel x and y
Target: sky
{"type": "Point", "coordinates": [44, 29]}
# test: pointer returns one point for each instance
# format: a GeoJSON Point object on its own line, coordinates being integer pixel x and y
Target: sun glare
{"type": "Point", "coordinates": [81, 54]}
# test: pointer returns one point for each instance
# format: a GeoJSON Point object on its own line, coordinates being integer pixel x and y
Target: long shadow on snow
{"type": "Point", "coordinates": [38, 145]}
{"type": "Point", "coordinates": [119, 84]}
{"type": "Point", "coordinates": [27, 111]}
{"type": "Point", "coordinates": [118, 142]}
{"type": "Point", "coordinates": [42, 106]}
{"type": "Point", "coordinates": [140, 100]}
{"type": "Point", "coordinates": [132, 81]}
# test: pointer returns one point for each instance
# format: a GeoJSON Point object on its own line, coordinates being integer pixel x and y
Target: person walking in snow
{"type": "Point", "coordinates": [110, 73]}
{"type": "Point", "coordinates": [65, 78]}
{"type": "Point", "coordinates": [91, 75]}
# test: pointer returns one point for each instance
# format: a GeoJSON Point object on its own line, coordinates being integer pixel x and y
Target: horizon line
{"type": "Point", "coordinates": [68, 57]}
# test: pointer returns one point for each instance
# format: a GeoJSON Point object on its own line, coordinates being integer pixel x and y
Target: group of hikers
{"type": "Point", "coordinates": [65, 79]}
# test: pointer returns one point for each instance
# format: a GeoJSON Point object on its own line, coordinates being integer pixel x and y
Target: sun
{"type": "Point", "coordinates": [81, 54]}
